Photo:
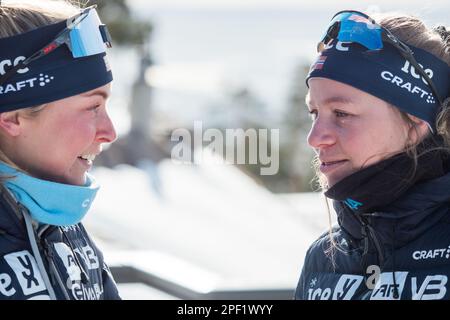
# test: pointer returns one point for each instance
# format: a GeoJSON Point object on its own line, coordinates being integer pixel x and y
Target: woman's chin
{"type": "Point", "coordinates": [336, 177]}
{"type": "Point", "coordinates": [76, 180]}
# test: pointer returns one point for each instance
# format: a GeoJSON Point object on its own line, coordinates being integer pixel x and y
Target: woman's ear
{"type": "Point", "coordinates": [419, 130]}
{"type": "Point", "coordinates": [9, 123]}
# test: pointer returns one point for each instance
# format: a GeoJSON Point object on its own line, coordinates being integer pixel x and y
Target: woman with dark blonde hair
{"type": "Point", "coordinates": [54, 83]}
{"type": "Point", "coordinates": [379, 101]}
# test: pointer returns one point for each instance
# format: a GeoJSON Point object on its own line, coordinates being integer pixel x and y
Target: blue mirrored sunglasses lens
{"type": "Point", "coordinates": [357, 28]}
{"type": "Point", "coordinates": [86, 38]}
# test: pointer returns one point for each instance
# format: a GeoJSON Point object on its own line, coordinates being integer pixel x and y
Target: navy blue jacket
{"type": "Point", "coordinates": [64, 256]}
{"type": "Point", "coordinates": [399, 252]}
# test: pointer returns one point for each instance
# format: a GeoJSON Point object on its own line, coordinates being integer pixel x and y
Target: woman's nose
{"type": "Point", "coordinates": [322, 134]}
{"type": "Point", "coordinates": [105, 129]}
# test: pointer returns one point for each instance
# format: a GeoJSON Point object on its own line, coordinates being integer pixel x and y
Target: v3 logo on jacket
{"type": "Point", "coordinates": [432, 288]}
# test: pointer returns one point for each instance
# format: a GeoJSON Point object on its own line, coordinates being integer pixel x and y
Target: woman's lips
{"type": "Point", "coordinates": [327, 167]}
{"type": "Point", "coordinates": [85, 163]}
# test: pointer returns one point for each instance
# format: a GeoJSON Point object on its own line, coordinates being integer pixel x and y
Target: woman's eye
{"type": "Point", "coordinates": [313, 114]}
{"type": "Point", "coordinates": [95, 108]}
{"type": "Point", "coordinates": [341, 114]}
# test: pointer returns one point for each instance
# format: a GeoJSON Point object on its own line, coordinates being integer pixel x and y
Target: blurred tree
{"type": "Point", "coordinates": [295, 170]}
{"type": "Point", "coordinates": [124, 28]}
{"type": "Point", "coordinates": [243, 108]}
{"type": "Point", "coordinates": [294, 147]}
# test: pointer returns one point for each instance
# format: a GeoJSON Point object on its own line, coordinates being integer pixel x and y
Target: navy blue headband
{"type": "Point", "coordinates": [55, 76]}
{"type": "Point", "coordinates": [387, 75]}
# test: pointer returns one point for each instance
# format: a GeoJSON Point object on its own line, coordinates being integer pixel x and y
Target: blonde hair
{"type": "Point", "coordinates": [19, 16]}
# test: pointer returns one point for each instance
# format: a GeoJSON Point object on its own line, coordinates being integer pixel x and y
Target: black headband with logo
{"type": "Point", "coordinates": [54, 62]}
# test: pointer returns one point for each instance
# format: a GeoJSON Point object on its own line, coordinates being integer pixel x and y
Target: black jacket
{"type": "Point", "coordinates": [48, 262]}
{"type": "Point", "coordinates": [399, 252]}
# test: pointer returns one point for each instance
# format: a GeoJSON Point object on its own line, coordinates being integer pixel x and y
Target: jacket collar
{"type": "Point", "coordinates": [11, 218]}
{"type": "Point", "coordinates": [403, 220]}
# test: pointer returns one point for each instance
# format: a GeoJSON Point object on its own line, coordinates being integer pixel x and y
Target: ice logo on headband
{"type": "Point", "coordinates": [339, 46]}
{"type": "Point", "coordinates": [389, 76]}
{"type": "Point", "coordinates": [12, 63]}
{"type": "Point", "coordinates": [404, 84]}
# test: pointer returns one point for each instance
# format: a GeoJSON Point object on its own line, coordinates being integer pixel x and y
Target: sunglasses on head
{"type": "Point", "coordinates": [357, 27]}
{"type": "Point", "coordinates": [84, 35]}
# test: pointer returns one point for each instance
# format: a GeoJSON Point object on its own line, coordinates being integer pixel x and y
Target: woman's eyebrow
{"type": "Point", "coordinates": [338, 99]}
{"type": "Point", "coordinates": [331, 100]}
{"type": "Point", "coordinates": [103, 94]}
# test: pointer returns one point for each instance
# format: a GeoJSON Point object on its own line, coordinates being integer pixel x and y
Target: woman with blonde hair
{"type": "Point", "coordinates": [54, 83]}
{"type": "Point", "coordinates": [379, 101]}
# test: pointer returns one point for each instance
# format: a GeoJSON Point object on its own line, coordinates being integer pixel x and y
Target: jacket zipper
{"type": "Point", "coordinates": [370, 235]}
{"type": "Point", "coordinates": [378, 248]}
{"type": "Point", "coordinates": [49, 256]}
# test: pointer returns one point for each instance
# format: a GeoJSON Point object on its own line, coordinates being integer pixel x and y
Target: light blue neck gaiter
{"type": "Point", "coordinates": [50, 202]}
